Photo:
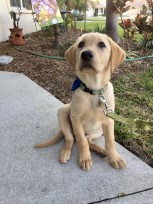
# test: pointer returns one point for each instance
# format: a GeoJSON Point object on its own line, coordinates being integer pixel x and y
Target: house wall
{"type": "Point", "coordinates": [91, 8]}
{"type": "Point", "coordinates": [6, 22]}
{"type": "Point", "coordinates": [90, 12]}
{"type": "Point", "coordinates": [136, 4]}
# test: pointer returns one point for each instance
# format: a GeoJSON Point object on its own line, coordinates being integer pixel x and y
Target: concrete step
{"type": "Point", "coordinates": [27, 175]}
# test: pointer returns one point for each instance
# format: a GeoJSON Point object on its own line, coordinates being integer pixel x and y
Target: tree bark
{"type": "Point", "coordinates": [57, 42]}
{"type": "Point", "coordinates": [111, 28]}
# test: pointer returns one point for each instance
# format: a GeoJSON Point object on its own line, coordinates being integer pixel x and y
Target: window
{"type": "Point", "coordinates": [23, 4]}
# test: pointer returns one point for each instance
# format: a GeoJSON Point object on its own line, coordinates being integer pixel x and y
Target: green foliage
{"type": "Point", "coordinates": [68, 20]}
{"type": "Point", "coordinates": [128, 28]}
{"type": "Point", "coordinates": [134, 99]}
{"type": "Point", "coordinates": [16, 17]}
{"type": "Point", "coordinates": [149, 44]}
{"type": "Point", "coordinates": [80, 17]}
{"type": "Point", "coordinates": [77, 4]}
{"type": "Point", "coordinates": [97, 28]}
{"type": "Point", "coordinates": [132, 54]}
{"type": "Point", "coordinates": [146, 43]}
{"type": "Point", "coordinates": [65, 47]}
{"type": "Point", "coordinates": [60, 3]}
{"type": "Point", "coordinates": [94, 24]}
{"type": "Point", "coordinates": [49, 30]}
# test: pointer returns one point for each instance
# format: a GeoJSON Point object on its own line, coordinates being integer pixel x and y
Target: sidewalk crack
{"type": "Point", "coordinates": [121, 195]}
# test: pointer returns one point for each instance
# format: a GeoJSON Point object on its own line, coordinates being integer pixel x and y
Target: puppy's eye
{"type": "Point", "coordinates": [101, 45]}
{"type": "Point", "coordinates": [81, 44]}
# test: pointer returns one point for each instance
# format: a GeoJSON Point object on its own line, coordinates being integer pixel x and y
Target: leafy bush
{"type": "Point", "coordinates": [129, 28]}
{"type": "Point", "coordinates": [144, 26]}
{"type": "Point", "coordinates": [80, 17]}
{"type": "Point", "coordinates": [63, 49]}
{"type": "Point", "coordinates": [97, 28]}
{"type": "Point", "coordinates": [49, 30]}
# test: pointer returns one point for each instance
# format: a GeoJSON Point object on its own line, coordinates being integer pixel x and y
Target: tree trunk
{"type": "Point", "coordinates": [111, 21]}
{"type": "Point", "coordinates": [57, 42]}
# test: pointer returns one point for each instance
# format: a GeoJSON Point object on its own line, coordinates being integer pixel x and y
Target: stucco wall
{"type": "Point", "coordinates": [6, 22]}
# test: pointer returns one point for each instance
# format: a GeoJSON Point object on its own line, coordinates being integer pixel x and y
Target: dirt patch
{"type": "Point", "coordinates": [56, 76]}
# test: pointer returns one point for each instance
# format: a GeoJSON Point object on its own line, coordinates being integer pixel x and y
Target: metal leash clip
{"type": "Point", "coordinates": [109, 110]}
{"type": "Point", "coordinates": [103, 100]}
{"type": "Point", "coordinates": [106, 110]}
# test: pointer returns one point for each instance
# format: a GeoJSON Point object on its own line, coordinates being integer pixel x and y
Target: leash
{"type": "Point", "coordinates": [133, 123]}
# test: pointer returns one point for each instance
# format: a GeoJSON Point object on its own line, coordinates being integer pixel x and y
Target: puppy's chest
{"type": "Point", "coordinates": [87, 107]}
{"type": "Point", "coordinates": [92, 109]}
{"type": "Point", "coordinates": [96, 108]}
{"type": "Point", "coordinates": [94, 116]}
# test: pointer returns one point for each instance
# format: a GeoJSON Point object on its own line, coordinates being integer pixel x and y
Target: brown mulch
{"type": "Point", "coordinates": [56, 76]}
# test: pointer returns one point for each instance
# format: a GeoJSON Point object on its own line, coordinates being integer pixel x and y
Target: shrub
{"type": "Point", "coordinates": [144, 26]}
{"type": "Point", "coordinates": [129, 28]}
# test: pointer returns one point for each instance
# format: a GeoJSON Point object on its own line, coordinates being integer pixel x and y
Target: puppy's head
{"type": "Point", "coordinates": [94, 52]}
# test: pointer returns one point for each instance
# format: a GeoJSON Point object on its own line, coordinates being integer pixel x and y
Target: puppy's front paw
{"type": "Point", "coordinates": [85, 161]}
{"type": "Point", "coordinates": [65, 155]}
{"type": "Point", "coordinates": [117, 161]}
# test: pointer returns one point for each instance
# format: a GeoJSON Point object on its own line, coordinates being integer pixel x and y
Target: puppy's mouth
{"type": "Point", "coordinates": [86, 65]}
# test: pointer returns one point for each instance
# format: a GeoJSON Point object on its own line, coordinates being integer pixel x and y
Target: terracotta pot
{"type": "Point", "coordinates": [16, 37]}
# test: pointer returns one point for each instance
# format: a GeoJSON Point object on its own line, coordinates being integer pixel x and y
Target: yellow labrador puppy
{"type": "Point", "coordinates": [94, 56]}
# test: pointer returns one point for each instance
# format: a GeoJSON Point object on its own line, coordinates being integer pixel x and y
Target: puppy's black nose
{"type": "Point", "coordinates": [87, 55]}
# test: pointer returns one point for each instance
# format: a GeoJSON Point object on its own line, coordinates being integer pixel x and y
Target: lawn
{"type": "Point", "coordinates": [95, 25]}
{"type": "Point", "coordinates": [134, 99]}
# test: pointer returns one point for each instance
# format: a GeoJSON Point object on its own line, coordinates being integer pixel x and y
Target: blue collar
{"type": "Point", "coordinates": [79, 84]}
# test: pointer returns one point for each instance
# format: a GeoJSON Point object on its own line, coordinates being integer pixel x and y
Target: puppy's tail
{"type": "Point", "coordinates": [52, 141]}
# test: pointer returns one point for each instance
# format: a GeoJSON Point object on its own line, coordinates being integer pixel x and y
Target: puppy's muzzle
{"type": "Point", "coordinates": [87, 55]}
{"type": "Point", "coordinates": [87, 59]}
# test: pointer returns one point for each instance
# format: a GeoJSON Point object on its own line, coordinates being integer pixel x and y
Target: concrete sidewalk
{"type": "Point", "coordinates": [27, 175]}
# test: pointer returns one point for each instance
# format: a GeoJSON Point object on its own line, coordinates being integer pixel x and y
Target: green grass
{"type": "Point", "coordinates": [89, 25]}
{"type": "Point", "coordinates": [95, 25]}
{"type": "Point", "coordinates": [98, 18]}
{"type": "Point", "coordinates": [134, 99]}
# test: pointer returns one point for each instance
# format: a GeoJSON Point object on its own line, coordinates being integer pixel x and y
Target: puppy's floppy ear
{"type": "Point", "coordinates": [70, 55]}
{"type": "Point", "coordinates": [117, 55]}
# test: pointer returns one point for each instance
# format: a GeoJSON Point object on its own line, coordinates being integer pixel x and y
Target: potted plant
{"type": "Point", "coordinates": [16, 37]}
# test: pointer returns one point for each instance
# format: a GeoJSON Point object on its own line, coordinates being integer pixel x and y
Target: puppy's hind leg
{"type": "Point", "coordinates": [65, 126]}
{"type": "Point", "coordinates": [95, 147]}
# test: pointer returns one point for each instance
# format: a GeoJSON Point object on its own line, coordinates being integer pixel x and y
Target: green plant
{"type": "Point", "coordinates": [16, 17]}
{"type": "Point", "coordinates": [120, 7]}
{"type": "Point", "coordinates": [63, 49]}
{"type": "Point", "coordinates": [129, 28]}
{"type": "Point", "coordinates": [134, 99]}
{"type": "Point", "coordinates": [146, 43]}
{"type": "Point", "coordinates": [49, 30]}
{"type": "Point", "coordinates": [80, 17]}
{"type": "Point", "coordinates": [68, 20]}
{"type": "Point", "coordinates": [97, 28]}
{"type": "Point", "coordinates": [144, 26]}
{"type": "Point", "coordinates": [149, 44]}
{"type": "Point", "coordinates": [132, 54]}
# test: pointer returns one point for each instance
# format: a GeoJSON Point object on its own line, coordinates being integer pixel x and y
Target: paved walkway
{"type": "Point", "coordinates": [29, 176]}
